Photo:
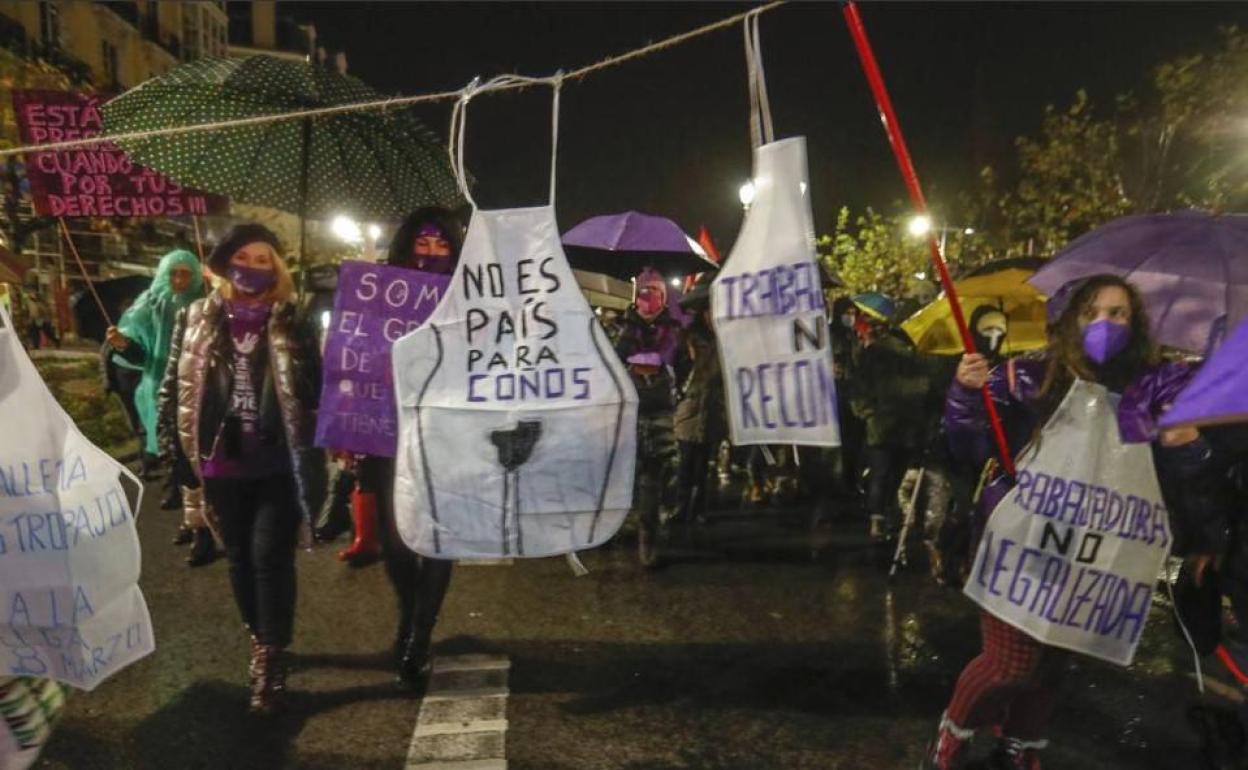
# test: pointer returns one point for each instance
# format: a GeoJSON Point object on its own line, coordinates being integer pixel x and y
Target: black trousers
{"type": "Point", "coordinates": [694, 478]}
{"type": "Point", "coordinates": [259, 521]}
{"type": "Point", "coordinates": [420, 583]}
{"type": "Point", "coordinates": [888, 465]}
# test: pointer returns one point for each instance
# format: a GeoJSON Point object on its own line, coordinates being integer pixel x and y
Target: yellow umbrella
{"type": "Point", "coordinates": [933, 330]}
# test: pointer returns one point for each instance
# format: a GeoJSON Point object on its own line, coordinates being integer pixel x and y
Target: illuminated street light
{"type": "Point", "coordinates": [968, 231]}
{"type": "Point", "coordinates": [919, 225]}
{"type": "Point", "coordinates": [746, 194]}
{"type": "Point", "coordinates": [374, 231]}
{"type": "Point", "coordinates": [346, 229]}
{"type": "Point", "coordinates": [676, 282]}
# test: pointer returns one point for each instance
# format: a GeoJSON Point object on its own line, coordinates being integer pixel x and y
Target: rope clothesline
{"type": "Point", "coordinates": [499, 84]}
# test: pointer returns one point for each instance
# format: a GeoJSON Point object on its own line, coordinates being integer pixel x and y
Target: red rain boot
{"type": "Point", "coordinates": [365, 548]}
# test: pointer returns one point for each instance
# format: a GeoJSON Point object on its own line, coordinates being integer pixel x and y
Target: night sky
{"type": "Point", "coordinates": [669, 134]}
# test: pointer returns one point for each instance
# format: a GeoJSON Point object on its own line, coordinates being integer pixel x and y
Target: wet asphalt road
{"type": "Point", "coordinates": [755, 646]}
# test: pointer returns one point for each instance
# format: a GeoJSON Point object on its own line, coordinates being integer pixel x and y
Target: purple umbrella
{"type": "Point", "coordinates": [620, 245]}
{"type": "Point", "coordinates": [1219, 391]}
{"type": "Point", "coordinates": [1191, 268]}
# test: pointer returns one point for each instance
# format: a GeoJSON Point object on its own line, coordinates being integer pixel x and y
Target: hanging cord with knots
{"type": "Point", "coordinates": [391, 102]}
{"type": "Point", "coordinates": [761, 130]}
{"type": "Point", "coordinates": [459, 117]}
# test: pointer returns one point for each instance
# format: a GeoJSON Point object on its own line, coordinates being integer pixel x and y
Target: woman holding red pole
{"type": "Point", "coordinates": [1102, 336]}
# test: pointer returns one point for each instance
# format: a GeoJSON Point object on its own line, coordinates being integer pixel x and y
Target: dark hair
{"type": "Point", "coordinates": [1065, 350]}
{"type": "Point", "coordinates": [239, 236]}
{"type": "Point", "coordinates": [401, 244]}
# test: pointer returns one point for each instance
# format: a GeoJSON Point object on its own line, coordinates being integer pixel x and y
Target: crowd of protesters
{"type": "Point", "coordinates": [221, 383]}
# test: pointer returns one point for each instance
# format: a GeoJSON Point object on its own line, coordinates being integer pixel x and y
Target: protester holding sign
{"type": "Point", "coordinates": [248, 381]}
{"type": "Point", "coordinates": [648, 343]}
{"type": "Point", "coordinates": [1100, 339]}
{"type": "Point", "coordinates": [427, 242]}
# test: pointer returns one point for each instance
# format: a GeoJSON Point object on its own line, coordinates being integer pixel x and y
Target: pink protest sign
{"type": "Point", "coordinates": [97, 180]}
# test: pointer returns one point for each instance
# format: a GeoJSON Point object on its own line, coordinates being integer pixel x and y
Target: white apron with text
{"type": "Point", "coordinates": [517, 421]}
{"type": "Point", "coordinates": [70, 605]}
{"type": "Point", "coordinates": [770, 316]}
{"type": "Point", "coordinates": [767, 303]}
{"type": "Point", "coordinates": [1072, 553]}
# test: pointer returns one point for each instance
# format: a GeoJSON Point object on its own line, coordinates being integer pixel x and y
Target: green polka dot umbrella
{"type": "Point", "coordinates": [371, 164]}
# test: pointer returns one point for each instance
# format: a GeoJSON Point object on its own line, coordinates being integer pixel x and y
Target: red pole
{"type": "Point", "coordinates": [898, 142]}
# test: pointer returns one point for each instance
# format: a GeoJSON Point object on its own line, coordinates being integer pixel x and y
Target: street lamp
{"type": "Point", "coordinates": [921, 224]}
{"type": "Point", "coordinates": [746, 195]}
{"type": "Point", "coordinates": [346, 229]}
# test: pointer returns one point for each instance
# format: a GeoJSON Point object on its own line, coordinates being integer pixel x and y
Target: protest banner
{"type": "Point", "coordinates": [769, 313]}
{"type": "Point", "coordinates": [1071, 554]}
{"type": "Point", "coordinates": [517, 420]}
{"type": "Point", "coordinates": [374, 305]}
{"type": "Point", "coordinates": [70, 605]}
{"type": "Point", "coordinates": [96, 180]}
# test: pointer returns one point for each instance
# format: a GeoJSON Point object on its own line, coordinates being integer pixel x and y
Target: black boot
{"type": "Point", "coordinates": [184, 535]}
{"type": "Point", "coordinates": [432, 577]}
{"type": "Point", "coordinates": [414, 664]}
{"type": "Point", "coordinates": [335, 517]}
{"type": "Point", "coordinates": [647, 547]}
{"type": "Point", "coordinates": [150, 464]}
{"type": "Point", "coordinates": [203, 548]}
{"type": "Point", "coordinates": [173, 497]}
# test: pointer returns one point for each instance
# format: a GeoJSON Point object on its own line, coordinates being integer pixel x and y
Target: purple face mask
{"type": "Point", "coordinates": [251, 280]}
{"type": "Point", "coordinates": [1104, 339]}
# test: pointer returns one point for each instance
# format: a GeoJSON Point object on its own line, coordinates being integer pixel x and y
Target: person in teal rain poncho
{"type": "Point", "coordinates": [143, 335]}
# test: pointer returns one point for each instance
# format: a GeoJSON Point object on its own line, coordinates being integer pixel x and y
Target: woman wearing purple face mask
{"type": "Point", "coordinates": [247, 383]}
{"type": "Point", "coordinates": [428, 240]}
{"type": "Point", "coordinates": [1100, 335]}
{"type": "Point", "coordinates": [648, 342]}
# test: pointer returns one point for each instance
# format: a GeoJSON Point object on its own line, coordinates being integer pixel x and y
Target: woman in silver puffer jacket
{"type": "Point", "coordinates": [248, 380]}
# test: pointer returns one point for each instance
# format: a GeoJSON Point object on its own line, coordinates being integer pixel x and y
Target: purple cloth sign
{"type": "Point", "coordinates": [374, 306]}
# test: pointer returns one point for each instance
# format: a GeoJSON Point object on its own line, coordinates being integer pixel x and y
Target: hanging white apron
{"type": "Point", "coordinates": [1072, 553]}
{"type": "Point", "coordinates": [767, 302]}
{"type": "Point", "coordinates": [70, 605]}
{"type": "Point", "coordinates": [517, 421]}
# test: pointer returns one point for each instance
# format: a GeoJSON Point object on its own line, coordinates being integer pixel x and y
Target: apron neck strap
{"type": "Point", "coordinates": [761, 130]}
{"type": "Point", "coordinates": [459, 119]}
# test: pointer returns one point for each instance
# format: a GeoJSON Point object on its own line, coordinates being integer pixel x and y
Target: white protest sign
{"type": "Point", "coordinates": [70, 605]}
{"type": "Point", "coordinates": [769, 313]}
{"type": "Point", "coordinates": [517, 421]}
{"type": "Point", "coordinates": [1072, 553]}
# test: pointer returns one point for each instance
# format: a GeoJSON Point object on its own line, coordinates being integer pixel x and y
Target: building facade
{"type": "Point", "coordinates": [107, 48]}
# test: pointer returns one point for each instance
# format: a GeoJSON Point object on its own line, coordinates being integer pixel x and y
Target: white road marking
{"type": "Point", "coordinates": [466, 764]}
{"type": "Point", "coordinates": [462, 721]}
{"type": "Point", "coordinates": [459, 728]}
{"type": "Point", "coordinates": [471, 663]}
{"type": "Point", "coordinates": [475, 692]}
